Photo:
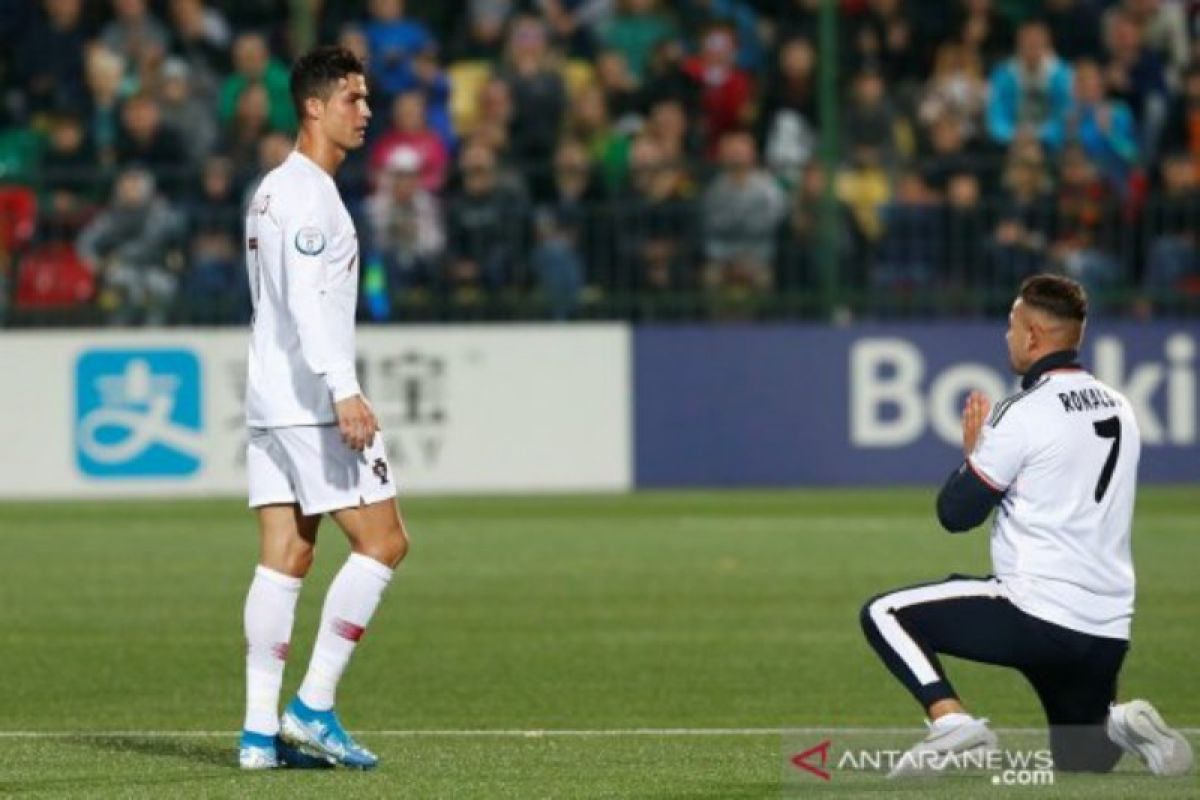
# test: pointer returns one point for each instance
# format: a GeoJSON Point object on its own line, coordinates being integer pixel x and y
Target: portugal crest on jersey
{"type": "Point", "coordinates": [310, 241]}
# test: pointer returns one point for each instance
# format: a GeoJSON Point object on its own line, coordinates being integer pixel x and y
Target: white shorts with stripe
{"type": "Point", "coordinates": [312, 466]}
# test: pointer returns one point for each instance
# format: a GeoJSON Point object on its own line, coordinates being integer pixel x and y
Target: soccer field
{"type": "Point", "coordinates": [660, 643]}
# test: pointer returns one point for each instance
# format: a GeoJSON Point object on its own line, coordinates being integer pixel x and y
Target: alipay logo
{"type": "Point", "coordinates": [138, 413]}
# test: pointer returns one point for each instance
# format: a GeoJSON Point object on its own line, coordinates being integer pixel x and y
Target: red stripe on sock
{"type": "Point", "coordinates": [348, 630]}
{"type": "Point", "coordinates": [281, 650]}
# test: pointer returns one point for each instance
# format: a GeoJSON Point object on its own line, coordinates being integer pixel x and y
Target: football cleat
{"type": "Point", "coordinates": [257, 751]}
{"type": "Point", "coordinates": [936, 752]}
{"type": "Point", "coordinates": [1139, 729]}
{"type": "Point", "coordinates": [319, 734]}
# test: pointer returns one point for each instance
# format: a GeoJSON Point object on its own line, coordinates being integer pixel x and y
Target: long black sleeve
{"type": "Point", "coordinates": [965, 500]}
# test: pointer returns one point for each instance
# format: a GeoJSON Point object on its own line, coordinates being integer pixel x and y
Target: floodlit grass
{"type": "Point", "coordinates": [681, 610]}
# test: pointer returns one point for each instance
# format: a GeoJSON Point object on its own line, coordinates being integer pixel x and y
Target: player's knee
{"type": "Point", "coordinates": [389, 547]}
{"type": "Point", "coordinates": [866, 615]}
{"type": "Point", "coordinates": [298, 559]}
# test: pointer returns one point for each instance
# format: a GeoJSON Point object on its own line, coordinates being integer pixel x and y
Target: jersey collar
{"type": "Point", "coordinates": [1062, 359]}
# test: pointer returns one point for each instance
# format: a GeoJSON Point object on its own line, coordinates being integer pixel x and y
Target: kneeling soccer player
{"type": "Point", "coordinates": [1060, 459]}
{"type": "Point", "coordinates": [314, 447]}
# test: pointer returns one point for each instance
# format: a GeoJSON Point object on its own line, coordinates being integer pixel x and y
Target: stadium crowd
{"type": "Point", "coordinates": [635, 158]}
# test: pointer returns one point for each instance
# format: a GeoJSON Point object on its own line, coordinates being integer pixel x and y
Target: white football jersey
{"type": "Point", "coordinates": [1066, 452]}
{"type": "Point", "coordinates": [302, 260]}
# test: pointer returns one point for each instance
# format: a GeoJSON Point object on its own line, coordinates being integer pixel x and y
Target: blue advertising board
{"type": "Point", "coordinates": [873, 404]}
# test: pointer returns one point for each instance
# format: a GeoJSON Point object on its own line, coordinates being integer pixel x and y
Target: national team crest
{"type": "Point", "coordinates": [380, 468]}
{"type": "Point", "coordinates": [310, 241]}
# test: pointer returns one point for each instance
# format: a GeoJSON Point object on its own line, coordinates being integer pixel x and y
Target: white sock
{"type": "Point", "coordinates": [352, 599]}
{"type": "Point", "coordinates": [270, 609]}
{"type": "Point", "coordinates": [952, 720]}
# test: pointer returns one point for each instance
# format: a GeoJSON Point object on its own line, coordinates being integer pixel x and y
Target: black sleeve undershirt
{"type": "Point", "coordinates": [965, 500]}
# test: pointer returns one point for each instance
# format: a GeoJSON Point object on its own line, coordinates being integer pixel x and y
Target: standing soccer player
{"type": "Point", "coordinates": [314, 447]}
{"type": "Point", "coordinates": [1060, 460]}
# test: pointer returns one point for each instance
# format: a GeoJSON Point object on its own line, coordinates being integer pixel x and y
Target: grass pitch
{"type": "Point", "coordinates": [659, 641]}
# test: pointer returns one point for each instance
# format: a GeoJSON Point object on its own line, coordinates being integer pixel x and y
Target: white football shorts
{"type": "Point", "coordinates": [312, 466]}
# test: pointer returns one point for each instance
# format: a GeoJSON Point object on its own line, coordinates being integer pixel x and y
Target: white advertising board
{"type": "Point", "coordinates": [520, 408]}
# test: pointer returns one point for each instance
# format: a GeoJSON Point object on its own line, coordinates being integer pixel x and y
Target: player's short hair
{"type": "Point", "coordinates": [1056, 295]}
{"type": "Point", "coordinates": [317, 72]}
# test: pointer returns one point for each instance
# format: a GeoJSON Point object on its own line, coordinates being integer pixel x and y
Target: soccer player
{"type": "Point", "coordinates": [1059, 459]}
{"type": "Point", "coordinates": [314, 445]}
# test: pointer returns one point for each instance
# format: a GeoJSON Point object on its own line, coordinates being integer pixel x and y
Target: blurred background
{"type": "Point", "coordinates": [612, 159]}
{"type": "Point", "coordinates": [783, 234]}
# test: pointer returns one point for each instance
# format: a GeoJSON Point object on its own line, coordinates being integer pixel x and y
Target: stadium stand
{"type": "Point", "coordinates": [623, 159]}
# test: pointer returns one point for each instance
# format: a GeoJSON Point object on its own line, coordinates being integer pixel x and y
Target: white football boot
{"type": "Point", "coordinates": [1139, 730]}
{"type": "Point", "coordinates": [936, 752]}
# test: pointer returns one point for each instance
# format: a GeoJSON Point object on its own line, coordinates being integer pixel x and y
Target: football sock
{"type": "Point", "coordinates": [352, 599]}
{"type": "Point", "coordinates": [270, 609]}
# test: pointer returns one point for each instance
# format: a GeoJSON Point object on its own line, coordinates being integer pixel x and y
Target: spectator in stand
{"type": "Point", "coordinates": [870, 121]}
{"type": "Point", "coordinates": [134, 32]}
{"type": "Point", "coordinates": [215, 279]}
{"type": "Point", "coordinates": [1173, 218]}
{"type": "Point", "coordinates": [49, 62]}
{"type": "Point", "coordinates": [655, 226]}
{"type": "Point", "coordinates": [574, 24]}
{"type": "Point", "coordinates": [726, 90]}
{"type": "Point", "coordinates": [798, 19]}
{"type": "Point", "coordinates": [481, 35]}
{"type": "Point", "coordinates": [105, 73]}
{"type": "Point", "coordinates": [1074, 29]}
{"type": "Point", "coordinates": [409, 130]}
{"type": "Point", "coordinates": [1030, 90]}
{"type": "Point", "coordinates": [1103, 127]}
{"type": "Point", "coordinates": [634, 31]}
{"type": "Point", "coordinates": [394, 42]}
{"type": "Point", "coordinates": [133, 246]}
{"type": "Point", "coordinates": [1163, 28]}
{"type": "Point", "coordinates": [1018, 246]}
{"type": "Point", "coordinates": [983, 29]}
{"type": "Point", "coordinates": [485, 226]}
{"type": "Point", "coordinates": [588, 123]}
{"type": "Point", "coordinates": [1136, 75]}
{"type": "Point", "coordinates": [739, 15]}
{"type": "Point", "coordinates": [538, 91]}
{"type": "Point", "coordinates": [966, 231]}
{"type": "Point", "coordinates": [955, 88]}
{"type": "Point", "coordinates": [788, 111]}
{"type": "Point", "coordinates": [947, 155]}
{"type": "Point", "coordinates": [434, 85]}
{"type": "Point", "coordinates": [494, 120]}
{"type": "Point", "coordinates": [666, 77]}
{"type": "Point", "coordinates": [1087, 224]}
{"type": "Point", "coordinates": [188, 117]}
{"type": "Point", "coordinates": [883, 41]}
{"type": "Point", "coordinates": [622, 95]}
{"type": "Point", "coordinates": [742, 209]}
{"type": "Point", "coordinates": [805, 236]}
{"type": "Point", "coordinates": [1181, 133]}
{"type": "Point", "coordinates": [865, 188]}
{"type": "Point", "coordinates": [201, 38]}
{"type": "Point", "coordinates": [250, 123]}
{"type": "Point", "coordinates": [145, 141]}
{"type": "Point", "coordinates": [912, 246]}
{"type": "Point", "coordinates": [405, 224]}
{"type": "Point", "coordinates": [253, 65]}
{"type": "Point", "coordinates": [70, 181]}
{"type": "Point", "coordinates": [668, 126]}
{"type": "Point", "coordinates": [569, 230]}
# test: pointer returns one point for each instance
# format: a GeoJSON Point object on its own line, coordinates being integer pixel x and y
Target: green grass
{"type": "Point", "coordinates": [660, 610]}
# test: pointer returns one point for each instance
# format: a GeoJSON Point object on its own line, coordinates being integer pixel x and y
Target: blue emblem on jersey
{"type": "Point", "coordinates": [138, 413]}
{"type": "Point", "coordinates": [310, 241]}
